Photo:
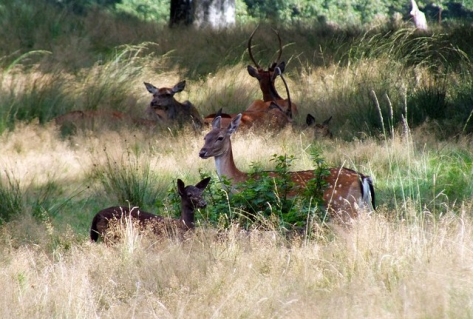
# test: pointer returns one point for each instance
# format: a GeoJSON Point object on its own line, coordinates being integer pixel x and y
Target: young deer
{"type": "Point", "coordinates": [266, 80]}
{"type": "Point", "coordinates": [191, 198]}
{"type": "Point", "coordinates": [346, 191]}
{"type": "Point", "coordinates": [320, 130]}
{"type": "Point", "coordinates": [165, 108]}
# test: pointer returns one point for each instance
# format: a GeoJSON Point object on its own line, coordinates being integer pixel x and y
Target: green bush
{"type": "Point", "coordinates": [267, 198]}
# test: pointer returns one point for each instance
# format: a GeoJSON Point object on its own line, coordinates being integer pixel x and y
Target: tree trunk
{"type": "Point", "coordinates": [181, 12]}
{"type": "Point", "coordinates": [215, 14]}
{"type": "Point", "coordinates": [418, 17]}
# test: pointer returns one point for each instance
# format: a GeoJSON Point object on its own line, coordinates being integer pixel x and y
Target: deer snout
{"type": "Point", "coordinates": [203, 153]}
{"type": "Point", "coordinates": [199, 203]}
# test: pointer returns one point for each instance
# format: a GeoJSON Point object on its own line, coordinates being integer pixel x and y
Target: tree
{"type": "Point", "coordinates": [214, 13]}
{"type": "Point", "coordinates": [418, 17]}
{"type": "Point", "coordinates": [202, 13]}
{"type": "Point", "coordinates": [181, 12]}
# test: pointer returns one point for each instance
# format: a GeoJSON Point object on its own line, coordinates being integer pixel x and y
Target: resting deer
{"type": "Point", "coordinates": [78, 118]}
{"type": "Point", "coordinates": [266, 80]}
{"type": "Point", "coordinates": [346, 191]}
{"type": "Point", "coordinates": [320, 130]}
{"type": "Point", "coordinates": [165, 108]}
{"type": "Point", "coordinates": [272, 116]}
{"type": "Point", "coordinates": [191, 198]}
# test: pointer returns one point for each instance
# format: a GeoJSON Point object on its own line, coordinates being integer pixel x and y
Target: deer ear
{"type": "Point", "coordinates": [181, 187]}
{"type": "Point", "coordinates": [150, 87]}
{"type": "Point", "coordinates": [179, 87]}
{"type": "Point", "coordinates": [216, 122]}
{"type": "Point", "coordinates": [310, 120]}
{"type": "Point", "coordinates": [327, 121]}
{"type": "Point", "coordinates": [253, 72]}
{"type": "Point", "coordinates": [203, 184]}
{"type": "Point", "coordinates": [281, 66]}
{"type": "Point", "coordinates": [234, 124]}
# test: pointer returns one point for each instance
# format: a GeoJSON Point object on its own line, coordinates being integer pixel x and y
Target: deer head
{"type": "Point", "coordinates": [320, 130]}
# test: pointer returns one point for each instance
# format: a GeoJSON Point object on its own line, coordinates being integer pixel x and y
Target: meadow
{"type": "Point", "coordinates": [401, 103]}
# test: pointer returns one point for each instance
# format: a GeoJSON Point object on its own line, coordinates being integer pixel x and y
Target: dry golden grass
{"type": "Point", "coordinates": [383, 267]}
{"type": "Point", "coordinates": [410, 259]}
{"type": "Point", "coordinates": [380, 269]}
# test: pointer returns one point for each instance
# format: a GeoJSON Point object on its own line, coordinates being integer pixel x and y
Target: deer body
{"type": "Point", "coordinates": [191, 198]}
{"type": "Point", "coordinates": [79, 117]}
{"type": "Point", "coordinates": [346, 192]}
{"type": "Point", "coordinates": [267, 119]}
{"type": "Point", "coordinates": [165, 108]}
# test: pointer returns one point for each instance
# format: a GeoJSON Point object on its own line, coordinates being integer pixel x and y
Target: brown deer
{"type": "Point", "coordinates": [266, 80]}
{"type": "Point", "coordinates": [191, 198]}
{"type": "Point", "coordinates": [79, 118]}
{"type": "Point", "coordinates": [346, 190]}
{"type": "Point", "coordinates": [166, 109]}
{"type": "Point", "coordinates": [320, 130]}
{"type": "Point", "coordinates": [270, 117]}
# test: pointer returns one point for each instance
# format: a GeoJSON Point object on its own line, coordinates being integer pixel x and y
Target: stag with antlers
{"type": "Point", "coordinates": [271, 117]}
{"type": "Point", "coordinates": [266, 80]}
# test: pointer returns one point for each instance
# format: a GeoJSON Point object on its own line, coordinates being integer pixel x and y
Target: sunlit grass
{"type": "Point", "coordinates": [380, 269]}
{"type": "Point", "coordinates": [411, 258]}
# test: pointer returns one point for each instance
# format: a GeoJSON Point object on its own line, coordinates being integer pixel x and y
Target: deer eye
{"type": "Point", "coordinates": [220, 138]}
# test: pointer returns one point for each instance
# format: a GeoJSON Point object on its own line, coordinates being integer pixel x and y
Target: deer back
{"type": "Point", "coordinates": [346, 190]}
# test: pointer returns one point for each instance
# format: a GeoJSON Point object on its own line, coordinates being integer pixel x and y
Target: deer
{"type": "Point", "coordinates": [321, 130]}
{"type": "Point", "coordinates": [78, 117]}
{"type": "Point", "coordinates": [191, 199]}
{"type": "Point", "coordinates": [266, 80]}
{"type": "Point", "coordinates": [165, 108]}
{"type": "Point", "coordinates": [347, 191]}
{"type": "Point", "coordinates": [272, 116]}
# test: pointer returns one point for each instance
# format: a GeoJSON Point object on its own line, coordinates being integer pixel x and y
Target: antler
{"type": "Point", "coordinates": [249, 47]}
{"type": "Point", "coordinates": [288, 110]}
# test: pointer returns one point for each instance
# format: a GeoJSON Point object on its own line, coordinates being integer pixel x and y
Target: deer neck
{"type": "Point", "coordinates": [270, 94]}
{"type": "Point", "coordinates": [225, 166]}
{"type": "Point", "coordinates": [187, 214]}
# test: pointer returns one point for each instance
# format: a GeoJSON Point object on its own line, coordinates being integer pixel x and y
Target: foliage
{"type": "Point", "coordinates": [268, 197]}
{"type": "Point", "coordinates": [147, 10]}
{"type": "Point", "coordinates": [282, 11]}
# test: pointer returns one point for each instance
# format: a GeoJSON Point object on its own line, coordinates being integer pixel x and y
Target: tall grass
{"type": "Point", "coordinates": [402, 113]}
{"type": "Point", "coordinates": [381, 269]}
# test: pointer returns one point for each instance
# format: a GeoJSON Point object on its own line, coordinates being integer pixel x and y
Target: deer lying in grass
{"type": "Point", "coordinates": [191, 198]}
{"type": "Point", "coordinates": [346, 192]}
{"type": "Point", "coordinates": [270, 117]}
{"type": "Point", "coordinates": [320, 130]}
{"type": "Point", "coordinates": [266, 80]}
{"type": "Point", "coordinates": [165, 108]}
{"type": "Point", "coordinates": [79, 118]}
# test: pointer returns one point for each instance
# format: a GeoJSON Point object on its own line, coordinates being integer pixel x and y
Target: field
{"type": "Point", "coordinates": [402, 113]}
